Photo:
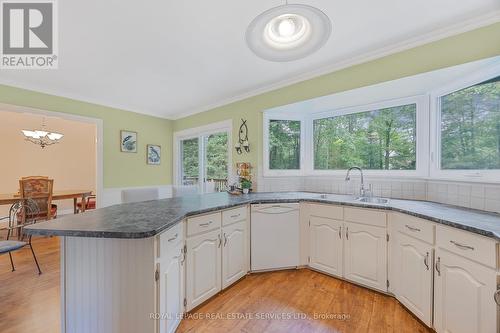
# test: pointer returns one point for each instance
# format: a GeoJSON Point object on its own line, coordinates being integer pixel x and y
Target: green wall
{"type": "Point", "coordinates": [125, 169]}
{"type": "Point", "coordinates": [466, 47]}
{"type": "Point", "coordinates": [120, 169]}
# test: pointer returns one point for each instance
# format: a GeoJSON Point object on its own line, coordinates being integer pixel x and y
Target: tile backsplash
{"type": "Point", "coordinates": [470, 195]}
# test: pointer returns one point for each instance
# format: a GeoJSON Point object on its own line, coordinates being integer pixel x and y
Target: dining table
{"type": "Point", "coordinates": [11, 198]}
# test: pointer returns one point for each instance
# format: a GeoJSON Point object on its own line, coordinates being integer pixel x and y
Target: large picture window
{"type": "Point", "coordinates": [470, 127]}
{"type": "Point", "coordinates": [383, 139]}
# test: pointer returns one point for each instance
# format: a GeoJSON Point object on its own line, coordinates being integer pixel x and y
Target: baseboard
{"type": "Point", "coordinates": [113, 196]}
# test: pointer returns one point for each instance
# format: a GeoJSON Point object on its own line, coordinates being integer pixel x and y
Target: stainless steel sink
{"type": "Point", "coordinates": [373, 200]}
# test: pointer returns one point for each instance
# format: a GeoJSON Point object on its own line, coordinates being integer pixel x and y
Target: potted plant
{"type": "Point", "coordinates": [246, 185]}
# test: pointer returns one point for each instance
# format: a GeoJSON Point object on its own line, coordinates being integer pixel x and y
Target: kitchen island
{"type": "Point", "coordinates": [137, 267]}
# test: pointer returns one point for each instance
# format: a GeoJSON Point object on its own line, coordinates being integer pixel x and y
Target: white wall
{"type": "Point", "coordinates": [71, 163]}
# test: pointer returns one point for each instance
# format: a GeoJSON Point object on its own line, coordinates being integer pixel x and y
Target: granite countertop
{"type": "Point", "coordinates": [146, 219]}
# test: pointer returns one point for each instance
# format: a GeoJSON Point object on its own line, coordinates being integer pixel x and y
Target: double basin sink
{"type": "Point", "coordinates": [375, 200]}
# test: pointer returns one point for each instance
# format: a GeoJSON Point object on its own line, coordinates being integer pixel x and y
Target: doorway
{"type": "Point", "coordinates": [203, 157]}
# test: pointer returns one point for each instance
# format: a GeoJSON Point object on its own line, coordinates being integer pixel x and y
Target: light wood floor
{"type": "Point", "coordinates": [30, 303]}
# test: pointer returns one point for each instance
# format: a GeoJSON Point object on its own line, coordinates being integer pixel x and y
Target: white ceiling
{"type": "Point", "coordinates": [174, 58]}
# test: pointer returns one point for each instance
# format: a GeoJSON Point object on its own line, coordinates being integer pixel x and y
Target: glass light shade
{"type": "Point", "coordinates": [288, 32]}
{"type": "Point", "coordinates": [30, 134]}
{"type": "Point", "coordinates": [54, 136]}
{"type": "Point", "coordinates": [41, 134]}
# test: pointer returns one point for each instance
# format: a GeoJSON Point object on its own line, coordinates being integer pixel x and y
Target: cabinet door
{"type": "Point", "coordinates": [463, 295]}
{"type": "Point", "coordinates": [325, 245]}
{"type": "Point", "coordinates": [365, 255]}
{"type": "Point", "coordinates": [412, 275]}
{"type": "Point", "coordinates": [171, 289]}
{"type": "Point", "coordinates": [203, 267]}
{"type": "Point", "coordinates": [234, 253]}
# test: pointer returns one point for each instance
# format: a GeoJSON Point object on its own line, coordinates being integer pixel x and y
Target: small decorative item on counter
{"type": "Point", "coordinates": [246, 185]}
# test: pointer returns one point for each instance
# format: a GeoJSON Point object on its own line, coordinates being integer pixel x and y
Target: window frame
{"type": "Point", "coordinates": [267, 117]}
{"type": "Point", "coordinates": [422, 144]}
{"type": "Point", "coordinates": [306, 137]}
{"type": "Point", "coordinates": [225, 126]}
{"type": "Point", "coordinates": [467, 175]}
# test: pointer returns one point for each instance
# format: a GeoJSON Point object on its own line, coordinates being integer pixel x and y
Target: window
{"type": "Point", "coordinates": [470, 127]}
{"type": "Point", "coordinates": [203, 155]}
{"type": "Point", "coordinates": [381, 139]}
{"type": "Point", "coordinates": [284, 144]}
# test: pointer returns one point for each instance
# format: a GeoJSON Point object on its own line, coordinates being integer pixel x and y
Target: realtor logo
{"type": "Point", "coordinates": [29, 38]}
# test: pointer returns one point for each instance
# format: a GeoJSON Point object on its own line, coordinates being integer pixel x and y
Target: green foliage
{"type": "Point", "coordinates": [470, 127]}
{"type": "Point", "coordinates": [284, 144]}
{"type": "Point", "coordinates": [381, 139]}
{"type": "Point", "coordinates": [245, 183]}
{"type": "Point", "coordinates": [216, 156]}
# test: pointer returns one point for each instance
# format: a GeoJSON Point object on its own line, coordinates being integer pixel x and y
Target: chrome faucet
{"type": "Point", "coordinates": [362, 190]}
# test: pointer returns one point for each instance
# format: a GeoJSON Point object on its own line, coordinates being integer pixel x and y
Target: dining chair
{"type": "Point", "coordinates": [89, 203]}
{"type": "Point", "coordinates": [40, 189]}
{"type": "Point", "coordinates": [183, 190]}
{"type": "Point", "coordinates": [29, 209]}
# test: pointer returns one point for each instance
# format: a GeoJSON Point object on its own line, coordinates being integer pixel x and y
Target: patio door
{"type": "Point", "coordinates": [203, 160]}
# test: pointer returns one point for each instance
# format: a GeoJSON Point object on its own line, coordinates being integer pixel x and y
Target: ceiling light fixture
{"type": "Point", "coordinates": [42, 137]}
{"type": "Point", "coordinates": [288, 32]}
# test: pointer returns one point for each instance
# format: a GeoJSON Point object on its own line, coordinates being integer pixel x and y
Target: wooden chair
{"type": "Point", "coordinates": [89, 203]}
{"type": "Point", "coordinates": [39, 189]}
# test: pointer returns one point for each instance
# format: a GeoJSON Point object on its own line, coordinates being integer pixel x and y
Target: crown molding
{"type": "Point", "coordinates": [435, 35]}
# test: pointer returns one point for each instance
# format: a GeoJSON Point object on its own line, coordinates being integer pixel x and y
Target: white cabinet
{"type": "Point", "coordinates": [365, 255]}
{"type": "Point", "coordinates": [215, 259]}
{"type": "Point", "coordinates": [171, 289]}
{"type": "Point", "coordinates": [170, 279]}
{"type": "Point", "coordinates": [234, 253]}
{"type": "Point", "coordinates": [463, 295]}
{"type": "Point", "coordinates": [325, 245]}
{"type": "Point", "coordinates": [412, 275]}
{"type": "Point", "coordinates": [203, 267]}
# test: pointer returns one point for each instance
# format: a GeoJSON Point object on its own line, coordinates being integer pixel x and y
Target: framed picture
{"type": "Point", "coordinates": [128, 141]}
{"type": "Point", "coordinates": [153, 154]}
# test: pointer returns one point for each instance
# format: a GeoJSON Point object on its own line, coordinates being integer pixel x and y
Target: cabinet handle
{"type": "Point", "coordinates": [438, 266]}
{"type": "Point", "coordinates": [462, 246]}
{"type": "Point", "coordinates": [173, 238]}
{"type": "Point", "coordinates": [206, 224]}
{"type": "Point", "coordinates": [183, 256]}
{"type": "Point", "coordinates": [220, 240]}
{"type": "Point", "coordinates": [347, 233]}
{"type": "Point", "coordinates": [496, 297]}
{"type": "Point", "coordinates": [225, 239]}
{"type": "Point", "coordinates": [235, 216]}
{"type": "Point", "coordinates": [340, 232]}
{"type": "Point", "coordinates": [426, 261]}
{"type": "Point", "coordinates": [412, 228]}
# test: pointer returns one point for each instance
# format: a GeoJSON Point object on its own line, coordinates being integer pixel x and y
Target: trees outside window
{"type": "Point", "coordinates": [382, 139]}
{"type": "Point", "coordinates": [470, 127]}
{"type": "Point", "coordinates": [284, 144]}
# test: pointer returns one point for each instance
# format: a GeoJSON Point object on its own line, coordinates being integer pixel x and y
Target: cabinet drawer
{"type": "Point", "coordinates": [234, 215]}
{"type": "Point", "coordinates": [468, 245]}
{"type": "Point", "coordinates": [413, 226]}
{"type": "Point", "coordinates": [199, 224]}
{"type": "Point", "coordinates": [170, 239]}
{"type": "Point", "coordinates": [327, 211]}
{"type": "Point", "coordinates": [365, 216]}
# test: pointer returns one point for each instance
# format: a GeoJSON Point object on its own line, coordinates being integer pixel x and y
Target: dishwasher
{"type": "Point", "coordinates": [274, 236]}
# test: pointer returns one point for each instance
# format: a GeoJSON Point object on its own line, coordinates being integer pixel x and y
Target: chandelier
{"type": "Point", "coordinates": [42, 137]}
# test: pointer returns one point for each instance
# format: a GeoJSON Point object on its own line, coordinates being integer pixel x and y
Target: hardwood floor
{"type": "Point", "coordinates": [30, 303]}
{"type": "Point", "coordinates": [301, 294]}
